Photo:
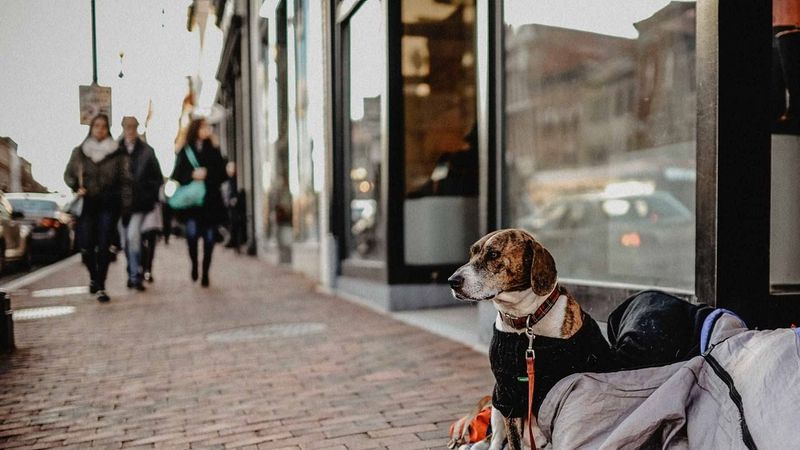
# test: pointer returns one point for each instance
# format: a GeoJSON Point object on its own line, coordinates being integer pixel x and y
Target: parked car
{"type": "Point", "coordinates": [52, 231]}
{"type": "Point", "coordinates": [645, 238]}
{"type": "Point", "coordinates": [15, 236]}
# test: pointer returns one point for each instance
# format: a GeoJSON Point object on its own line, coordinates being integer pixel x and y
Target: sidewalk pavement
{"type": "Point", "coordinates": [259, 360]}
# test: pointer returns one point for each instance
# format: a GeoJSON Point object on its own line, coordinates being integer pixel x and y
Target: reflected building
{"type": "Point", "coordinates": [577, 100]}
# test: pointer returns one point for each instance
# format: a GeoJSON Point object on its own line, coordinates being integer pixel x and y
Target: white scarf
{"type": "Point", "coordinates": [97, 150]}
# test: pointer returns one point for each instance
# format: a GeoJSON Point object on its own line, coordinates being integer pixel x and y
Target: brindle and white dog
{"type": "Point", "coordinates": [513, 270]}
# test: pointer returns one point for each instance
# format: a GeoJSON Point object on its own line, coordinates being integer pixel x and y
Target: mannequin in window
{"type": "Point", "coordinates": [786, 66]}
{"type": "Point", "coordinates": [455, 173]}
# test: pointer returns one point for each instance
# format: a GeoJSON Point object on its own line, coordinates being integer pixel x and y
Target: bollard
{"type": "Point", "coordinates": [6, 324]}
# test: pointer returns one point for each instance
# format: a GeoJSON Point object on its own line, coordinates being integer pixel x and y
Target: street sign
{"type": "Point", "coordinates": [94, 100]}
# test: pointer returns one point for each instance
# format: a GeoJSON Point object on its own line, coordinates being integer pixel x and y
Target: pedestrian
{"type": "Point", "coordinates": [166, 219]}
{"type": "Point", "coordinates": [146, 174]}
{"type": "Point", "coordinates": [204, 162]}
{"type": "Point", "coordinates": [97, 171]}
{"type": "Point", "coordinates": [234, 204]}
{"type": "Point", "coordinates": [151, 228]}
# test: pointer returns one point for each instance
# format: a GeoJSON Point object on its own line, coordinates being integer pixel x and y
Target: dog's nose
{"type": "Point", "coordinates": [456, 281]}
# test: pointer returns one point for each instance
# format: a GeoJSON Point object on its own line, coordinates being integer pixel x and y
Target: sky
{"type": "Point", "coordinates": [46, 54]}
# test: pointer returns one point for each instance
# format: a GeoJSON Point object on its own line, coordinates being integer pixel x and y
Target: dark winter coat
{"type": "Point", "coordinates": [108, 183]}
{"type": "Point", "coordinates": [586, 351]}
{"type": "Point", "coordinates": [213, 210]}
{"type": "Point", "coordinates": [146, 174]}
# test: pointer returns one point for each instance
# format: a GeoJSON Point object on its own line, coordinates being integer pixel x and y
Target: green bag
{"type": "Point", "coordinates": [190, 195]}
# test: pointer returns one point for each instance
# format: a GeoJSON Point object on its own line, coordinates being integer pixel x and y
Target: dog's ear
{"type": "Point", "coordinates": [543, 270]}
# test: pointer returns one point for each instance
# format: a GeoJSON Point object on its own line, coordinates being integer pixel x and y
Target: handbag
{"type": "Point", "coordinates": [190, 195]}
{"type": "Point", "coordinates": [75, 206]}
{"type": "Point", "coordinates": [153, 220]}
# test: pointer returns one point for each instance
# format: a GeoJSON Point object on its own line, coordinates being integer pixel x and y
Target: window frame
{"type": "Point", "coordinates": [735, 137]}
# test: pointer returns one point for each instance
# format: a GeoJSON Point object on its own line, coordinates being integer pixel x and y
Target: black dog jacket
{"type": "Point", "coordinates": [586, 351]}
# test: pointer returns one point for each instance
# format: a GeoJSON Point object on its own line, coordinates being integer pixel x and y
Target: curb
{"type": "Point", "coordinates": [39, 274]}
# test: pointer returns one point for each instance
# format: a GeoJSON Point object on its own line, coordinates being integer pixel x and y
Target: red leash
{"type": "Point", "coordinates": [530, 357]}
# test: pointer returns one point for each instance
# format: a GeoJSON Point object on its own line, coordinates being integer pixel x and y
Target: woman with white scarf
{"type": "Point", "coordinates": [98, 172]}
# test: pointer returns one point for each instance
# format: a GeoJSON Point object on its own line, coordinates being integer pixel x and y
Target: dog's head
{"type": "Point", "coordinates": [504, 261]}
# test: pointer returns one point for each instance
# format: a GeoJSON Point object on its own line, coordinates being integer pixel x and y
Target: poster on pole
{"type": "Point", "coordinates": [94, 99]}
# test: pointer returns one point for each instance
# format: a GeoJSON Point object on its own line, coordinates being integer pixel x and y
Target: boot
{"type": "Point", "coordinates": [193, 258]}
{"type": "Point", "coordinates": [206, 266]}
{"type": "Point", "coordinates": [789, 47]}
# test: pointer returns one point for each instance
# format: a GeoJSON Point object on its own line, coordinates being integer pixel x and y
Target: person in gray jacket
{"type": "Point", "coordinates": [145, 172]}
{"type": "Point", "coordinates": [98, 172]}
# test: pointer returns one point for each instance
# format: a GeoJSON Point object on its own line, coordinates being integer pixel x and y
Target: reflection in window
{"type": "Point", "coordinates": [439, 95]}
{"type": "Point", "coordinates": [600, 135]}
{"type": "Point", "coordinates": [366, 73]}
{"type": "Point", "coordinates": [785, 119]}
{"type": "Point", "coordinates": [441, 151]}
{"type": "Point", "coordinates": [304, 52]}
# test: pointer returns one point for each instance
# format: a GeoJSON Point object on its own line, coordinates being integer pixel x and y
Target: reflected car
{"type": "Point", "coordinates": [363, 218]}
{"type": "Point", "coordinates": [15, 236]}
{"type": "Point", "coordinates": [643, 238]}
{"type": "Point", "coordinates": [52, 230]}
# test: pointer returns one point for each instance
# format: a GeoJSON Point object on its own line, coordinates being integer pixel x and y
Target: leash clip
{"type": "Point", "coordinates": [529, 353]}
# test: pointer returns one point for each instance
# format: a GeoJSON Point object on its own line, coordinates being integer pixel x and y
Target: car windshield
{"type": "Point", "coordinates": [34, 207]}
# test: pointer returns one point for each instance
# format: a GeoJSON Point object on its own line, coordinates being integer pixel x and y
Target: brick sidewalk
{"type": "Point", "coordinates": [173, 368]}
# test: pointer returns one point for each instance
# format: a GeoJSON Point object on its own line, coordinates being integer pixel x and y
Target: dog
{"type": "Point", "coordinates": [518, 275]}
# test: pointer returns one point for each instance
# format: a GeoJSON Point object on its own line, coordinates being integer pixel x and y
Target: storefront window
{"type": "Point", "coordinates": [599, 128]}
{"type": "Point", "coordinates": [785, 119]}
{"type": "Point", "coordinates": [366, 73]}
{"type": "Point", "coordinates": [441, 152]}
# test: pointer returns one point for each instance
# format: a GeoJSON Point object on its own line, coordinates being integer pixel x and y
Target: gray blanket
{"type": "Point", "coordinates": [687, 405]}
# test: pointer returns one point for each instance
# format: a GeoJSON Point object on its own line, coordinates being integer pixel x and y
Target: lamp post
{"type": "Point", "coordinates": [94, 48]}
{"type": "Point", "coordinates": [94, 99]}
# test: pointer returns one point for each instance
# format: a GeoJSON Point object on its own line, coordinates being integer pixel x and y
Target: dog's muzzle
{"type": "Point", "coordinates": [456, 281]}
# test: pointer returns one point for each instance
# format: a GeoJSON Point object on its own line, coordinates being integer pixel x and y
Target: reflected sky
{"type": "Point", "coordinates": [609, 17]}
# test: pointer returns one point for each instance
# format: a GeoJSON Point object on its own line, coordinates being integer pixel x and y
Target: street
{"type": "Point", "coordinates": [258, 360]}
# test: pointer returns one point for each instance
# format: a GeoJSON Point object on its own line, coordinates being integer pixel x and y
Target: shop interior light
{"type": "Point", "coordinates": [358, 174]}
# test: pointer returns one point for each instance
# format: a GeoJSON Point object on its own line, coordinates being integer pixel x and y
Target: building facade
{"type": "Point", "coordinates": [376, 140]}
{"type": "Point", "coordinates": [15, 171]}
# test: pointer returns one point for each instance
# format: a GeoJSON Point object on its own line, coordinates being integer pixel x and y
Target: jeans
{"type": "Point", "coordinates": [194, 231]}
{"type": "Point", "coordinates": [95, 230]}
{"type": "Point", "coordinates": [149, 239]}
{"type": "Point", "coordinates": [131, 237]}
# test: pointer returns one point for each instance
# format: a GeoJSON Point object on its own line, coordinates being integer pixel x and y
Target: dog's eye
{"type": "Point", "coordinates": [492, 254]}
